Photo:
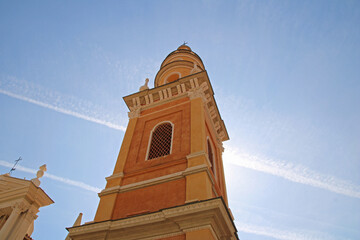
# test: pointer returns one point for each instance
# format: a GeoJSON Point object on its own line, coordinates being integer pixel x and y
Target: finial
{"type": "Point", "coordinates": [145, 86]}
{"type": "Point", "coordinates": [39, 174]}
{"type": "Point", "coordinates": [184, 46]}
{"type": "Point", "coordinates": [76, 223]}
{"type": "Point", "coordinates": [78, 220]}
{"type": "Point", "coordinates": [195, 69]}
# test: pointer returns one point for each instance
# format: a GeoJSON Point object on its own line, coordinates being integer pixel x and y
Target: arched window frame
{"type": "Point", "coordinates": [213, 163]}
{"type": "Point", "coordinates": [151, 136]}
{"type": "Point", "coordinates": [172, 73]}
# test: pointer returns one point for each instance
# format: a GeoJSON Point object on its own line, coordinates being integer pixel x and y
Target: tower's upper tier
{"type": "Point", "coordinates": [180, 63]}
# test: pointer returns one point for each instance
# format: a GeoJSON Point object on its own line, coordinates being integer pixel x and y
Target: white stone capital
{"type": "Point", "coordinates": [134, 112]}
{"type": "Point", "coordinates": [20, 207]}
{"type": "Point", "coordinates": [196, 93]}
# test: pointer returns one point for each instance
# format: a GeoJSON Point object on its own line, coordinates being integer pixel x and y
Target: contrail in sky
{"type": "Point", "coordinates": [51, 176]}
{"type": "Point", "coordinates": [69, 105]}
{"type": "Point", "coordinates": [291, 172]}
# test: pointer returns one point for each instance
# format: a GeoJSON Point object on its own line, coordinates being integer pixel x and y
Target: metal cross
{"type": "Point", "coordinates": [16, 162]}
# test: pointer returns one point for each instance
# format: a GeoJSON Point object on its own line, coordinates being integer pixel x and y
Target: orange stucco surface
{"type": "Point", "coordinates": [155, 171]}
{"type": "Point", "coordinates": [197, 125]}
{"type": "Point", "coordinates": [198, 187]}
{"type": "Point", "coordinates": [105, 208]}
{"type": "Point", "coordinates": [124, 150]}
{"type": "Point", "coordinates": [150, 199]}
{"type": "Point", "coordinates": [178, 113]}
{"type": "Point", "coordinates": [166, 78]}
{"type": "Point", "coordinates": [178, 237]}
{"type": "Point", "coordinates": [203, 234]}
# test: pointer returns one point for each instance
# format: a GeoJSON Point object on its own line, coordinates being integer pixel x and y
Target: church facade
{"type": "Point", "coordinates": [168, 181]}
{"type": "Point", "coordinates": [20, 201]}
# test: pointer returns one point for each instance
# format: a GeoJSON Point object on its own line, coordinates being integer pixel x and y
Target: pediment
{"type": "Point", "coordinates": [14, 189]}
{"type": "Point", "coordinates": [8, 183]}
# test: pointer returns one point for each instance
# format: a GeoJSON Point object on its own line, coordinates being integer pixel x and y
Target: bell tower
{"type": "Point", "coordinates": [168, 181]}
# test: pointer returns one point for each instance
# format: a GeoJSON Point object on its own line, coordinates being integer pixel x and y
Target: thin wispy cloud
{"type": "Point", "coordinates": [70, 105]}
{"type": "Point", "coordinates": [291, 172]}
{"type": "Point", "coordinates": [53, 177]}
{"type": "Point", "coordinates": [49, 99]}
{"type": "Point", "coordinates": [281, 234]}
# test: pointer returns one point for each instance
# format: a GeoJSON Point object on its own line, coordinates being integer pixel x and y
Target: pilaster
{"type": "Point", "coordinates": [197, 121]}
{"type": "Point", "coordinates": [198, 185]}
{"type": "Point", "coordinates": [107, 202]}
{"type": "Point", "coordinates": [205, 233]}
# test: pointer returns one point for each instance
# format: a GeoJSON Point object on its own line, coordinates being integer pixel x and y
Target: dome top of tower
{"type": "Point", "coordinates": [178, 64]}
{"type": "Point", "coordinates": [184, 47]}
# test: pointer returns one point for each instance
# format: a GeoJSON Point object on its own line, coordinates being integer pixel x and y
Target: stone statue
{"type": "Point", "coordinates": [145, 86]}
{"type": "Point", "coordinates": [195, 69]}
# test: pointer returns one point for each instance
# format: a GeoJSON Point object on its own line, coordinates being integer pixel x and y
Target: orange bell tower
{"type": "Point", "coordinates": [168, 181]}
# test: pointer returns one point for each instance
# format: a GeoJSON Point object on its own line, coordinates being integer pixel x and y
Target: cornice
{"type": "Point", "coordinates": [23, 189]}
{"type": "Point", "coordinates": [192, 86]}
{"type": "Point", "coordinates": [211, 214]}
{"type": "Point", "coordinates": [158, 180]}
{"type": "Point", "coordinates": [114, 176]}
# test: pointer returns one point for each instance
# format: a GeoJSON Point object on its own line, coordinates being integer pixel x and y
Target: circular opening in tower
{"type": "Point", "coordinates": [173, 77]}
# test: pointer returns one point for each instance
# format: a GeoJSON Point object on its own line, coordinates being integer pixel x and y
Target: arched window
{"type": "Point", "coordinates": [211, 156]}
{"type": "Point", "coordinates": [161, 138]}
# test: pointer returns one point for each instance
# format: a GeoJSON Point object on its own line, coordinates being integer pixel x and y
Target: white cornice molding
{"type": "Point", "coordinates": [134, 112]}
{"type": "Point", "coordinates": [200, 153]}
{"type": "Point", "coordinates": [196, 154]}
{"type": "Point", "coordinates": [141, 184]}
{"type": "Point", "coordinates": [195, 169]}
{"type": "Point", "coordinates": [114, 176]}
{"type": "Point", "coordinates": [209, 214]}
{"type": "Point", "coordinates": [27, 191]}
{"type": "Point", "coordinates": [158, 180]}
{"type": "Point", "coordinates": [197, 93]}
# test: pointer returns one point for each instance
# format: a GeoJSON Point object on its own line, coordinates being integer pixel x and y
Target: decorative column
{"type": "Point", "coordinates": [25, 222]}
{"type": "Point", "coordinates": [3, 217]}
{"type": "Point", "coordinates": [17, 209]}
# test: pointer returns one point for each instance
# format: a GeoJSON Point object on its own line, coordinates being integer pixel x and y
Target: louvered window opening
{"type": "Point", "coordinates": [161, 141]}
{"type": "Point", "coordinates": [211, 156]}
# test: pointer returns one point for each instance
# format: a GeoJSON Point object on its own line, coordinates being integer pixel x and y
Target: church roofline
{"type": "Point", "coordinates": [24, 188]}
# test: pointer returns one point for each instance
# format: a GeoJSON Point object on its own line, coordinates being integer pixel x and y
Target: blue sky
{"type": "Point", "coordinates": [286, 78]}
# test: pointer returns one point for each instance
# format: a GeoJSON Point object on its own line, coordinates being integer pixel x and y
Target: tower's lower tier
{"type": "Point", "coordinates": [202, 220]}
